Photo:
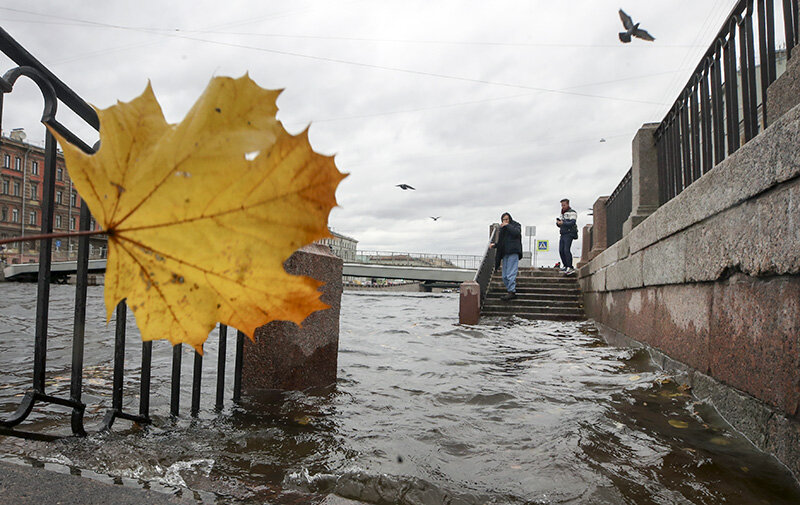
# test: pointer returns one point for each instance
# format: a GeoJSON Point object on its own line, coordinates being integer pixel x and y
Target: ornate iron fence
{"type": "Point", "coordinates": [723, 104]}
{"type": "Point", "coordinates": [618, 209]}
{"type": "Point", "coordinates": [54, 92]}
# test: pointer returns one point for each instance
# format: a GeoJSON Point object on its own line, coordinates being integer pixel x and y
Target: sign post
{"type": "Point", "coordinates": [541, 245]}
{"type": "Point", "coordinates": [530, 231]}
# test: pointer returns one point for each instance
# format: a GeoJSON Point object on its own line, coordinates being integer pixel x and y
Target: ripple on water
{"type": "Point", "coordinates": [425, 411]}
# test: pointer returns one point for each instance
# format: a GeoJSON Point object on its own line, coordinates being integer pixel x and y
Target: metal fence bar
{"type": "Point", "coordinates": [223, 343]}
{"type": "Point", "coordinates": [196, 379]}
{"type": "Point", "coordinates": [144, 383]}
{"type": "Point", "coordinates": [789, 21]}
{"type": "Point", "coordinates": [175, 383]}
{"type": "Point", "coordinates": [766, 50]}
{"type": "Point", "coordinates": [694, 121]}
{"type": "Point", "coordinates": [747, 64]}
{"type": "Point", "coordinates": [237, 368]}
{"type": "Point", "coordinates": [705, 119]}
{"type": "Point", "coordinates": [79, 325]}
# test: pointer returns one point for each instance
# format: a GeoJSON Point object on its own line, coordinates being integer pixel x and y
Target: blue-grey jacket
{"type": "Point", "coordinates": [569, 223]}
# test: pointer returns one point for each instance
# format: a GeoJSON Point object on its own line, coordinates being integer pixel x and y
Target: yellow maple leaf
{"type": "Point", "coordinates": [198, 229]}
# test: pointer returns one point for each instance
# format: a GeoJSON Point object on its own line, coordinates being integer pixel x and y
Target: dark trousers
{"type": "Point", "coordinates": [563, 249]}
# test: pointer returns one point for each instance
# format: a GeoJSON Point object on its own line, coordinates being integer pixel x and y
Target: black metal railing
{"type": "Point", "coordinates": [54, 91]}
{"type": "Point", "coordinates": [618, 209]}
{"type": "Point", "coordinates": [723, 105]}
{"type": "Point", "coordinates": [484, 274]}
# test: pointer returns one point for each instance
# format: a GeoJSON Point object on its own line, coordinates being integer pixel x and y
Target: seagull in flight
{"type": "Point", "coordinates": [435, 218]}
{"type": "Point", "coordinates": [404, 186]}
{"type": "Point", "coordinates": [632, 29]}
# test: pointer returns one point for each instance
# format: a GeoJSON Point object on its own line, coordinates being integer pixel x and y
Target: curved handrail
{"type": "Point", "coordinates": [484, 274]}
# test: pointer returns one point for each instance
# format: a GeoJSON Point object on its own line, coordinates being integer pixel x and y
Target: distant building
{"type": "Point", "coordinates": [21, 191]}
{"type": "Point", "coordinates": [341, 245]}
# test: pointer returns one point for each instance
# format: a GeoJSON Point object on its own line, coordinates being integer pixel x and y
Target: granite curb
{"type": "Point", "coordinates": [23, 485]}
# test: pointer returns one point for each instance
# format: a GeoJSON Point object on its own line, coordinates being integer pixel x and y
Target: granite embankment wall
{"type": "Point", "coordinates": [711, 280]}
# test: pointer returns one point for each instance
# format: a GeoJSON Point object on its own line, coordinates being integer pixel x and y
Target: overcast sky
{"type": "Point", "coordinates": [483, 107]}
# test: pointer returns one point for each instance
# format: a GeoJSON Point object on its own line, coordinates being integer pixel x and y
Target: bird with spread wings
{"type": "Point", "coordinates": [632, 29]}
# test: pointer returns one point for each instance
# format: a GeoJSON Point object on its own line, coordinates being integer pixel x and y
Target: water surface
{"type": "Point", "coordinates": [424, 411]}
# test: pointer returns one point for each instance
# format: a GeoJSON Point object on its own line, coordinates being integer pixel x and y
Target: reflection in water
{"type": "Point", "coordinates": [424, 412]}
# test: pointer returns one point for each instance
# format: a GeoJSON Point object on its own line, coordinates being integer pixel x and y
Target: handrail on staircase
{"type": "Point", "coordinates": [484, 273]}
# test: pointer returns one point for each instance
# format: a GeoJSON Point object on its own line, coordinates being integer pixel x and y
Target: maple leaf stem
{"type": "Point", "coordinates": [52, 235]}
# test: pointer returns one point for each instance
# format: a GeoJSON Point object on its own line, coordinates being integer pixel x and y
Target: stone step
{"type": "Point", "coordinates": [537, 315]}
{"type": "Point", "coordinates": [521, 302]}
{"type": "Point", "coordinates": [511, 308]}
{"type": "Point", "coordinates": [556, 283]}
{"type": "Point", "coordinates": [570, 297]}
{"type": "Point", "coordinates": [538, 288]}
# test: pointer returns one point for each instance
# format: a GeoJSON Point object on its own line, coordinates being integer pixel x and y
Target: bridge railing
{"type": "Point", "coordinates": [55, 92]}
{"type": "Point", "coordinates": [471, 262]}
{"type": "Point", "coordinates": [486, 268]}
{"type": "Point", "coordinates": [723, 105]}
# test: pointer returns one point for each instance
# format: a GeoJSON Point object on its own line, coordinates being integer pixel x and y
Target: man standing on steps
{"type": "Point", "coordinates": [509, 250]}
{"type": "Point", "coordinates": [569, 232]}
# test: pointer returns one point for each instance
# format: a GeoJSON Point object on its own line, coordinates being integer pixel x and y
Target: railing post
{"type": "Point", "coordinates": [599, 227]}
{"type": "Point", "coordinates": [784, 93]}
{"type": "Point", "coordinates": [586, 245]}
{"type": "Point", "coordinates": [644, 177]}
{"type": "Point", "coordinates": [469, 303]}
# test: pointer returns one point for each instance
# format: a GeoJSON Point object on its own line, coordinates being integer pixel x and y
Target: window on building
{"type": "Point", "coordinates": [58, 221]}
{"type": "Point", "coordinates": [14, 216]}
{"type": "Point", "coordinates": [71, 223]}
{"type": "Point", "coordinates": [32, 218]}
{"type": "Point", "coordinates": [35, 168]}
{"type": "Point", "coordinates": [17, 163]}
{"type": "Point", "coordinates": [4, 214]}
{"type": "Point", "coordinates": [16, 189]}
{"type": "Point", "coordinates": [73, 199]}
{"type": "Point", "coordinates": [59, 174]}
{"type": "Point", "coordinates": [5, 187]}
{"type": "Point", "coordinates": [58, 197]}
{"type": "Point", "coordinates": [92, 224]}
{"type": "Point", "coordinates": [34, 191]}
{"type": "Point", "coordinates": [6, 161]}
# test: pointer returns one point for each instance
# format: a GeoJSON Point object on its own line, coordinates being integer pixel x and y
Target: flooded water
{"type": "Point", "coordinates": [424, 412]}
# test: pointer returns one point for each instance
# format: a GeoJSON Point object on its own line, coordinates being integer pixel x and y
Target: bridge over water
{"type": "Point", "coordinates": [430, 268]}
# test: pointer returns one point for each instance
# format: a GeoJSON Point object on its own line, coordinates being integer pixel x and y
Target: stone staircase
{"type": "Point", "coordinates": [542, 293]}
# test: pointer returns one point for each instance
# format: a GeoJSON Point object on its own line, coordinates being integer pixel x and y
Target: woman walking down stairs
{"type": "Point", "coordinates": [542, 293]}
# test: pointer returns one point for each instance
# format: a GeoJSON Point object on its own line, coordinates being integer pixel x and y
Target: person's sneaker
{"type": "Point", "coordinates": [569, 271]}
{"type": "Point", "coordinates": [509, 296]}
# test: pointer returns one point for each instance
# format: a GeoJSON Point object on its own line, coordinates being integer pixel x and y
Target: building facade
{"type": "Point", "coordinates": [341, 245]}
{"type": "Point", "coordinates": [21, 189]}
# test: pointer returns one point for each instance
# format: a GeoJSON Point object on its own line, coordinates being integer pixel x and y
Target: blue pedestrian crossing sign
{"type": "Point", "coordinates": [542, 245]}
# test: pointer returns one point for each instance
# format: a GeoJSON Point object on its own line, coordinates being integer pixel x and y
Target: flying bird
{"type": "Point", "coordinates": [404, 186]}
{"type": "Point", "coordinates": [632, 29]}
{"type": "Point", "coordinates": [435, 218]}
{"type": "Point", "coordinates": [602, 140]}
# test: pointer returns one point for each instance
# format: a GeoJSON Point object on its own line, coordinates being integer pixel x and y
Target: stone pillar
{"type": "Point", "coordinates": [585, 246]}
{"type": "Point", "coordinates": [600, 239]}
{"type": "Point", "coordinates": [287, 356]}
{"type": "Point", "coordinates": [469, 303]}
{"type": "Point", "coordinates": [784, 93]}
{"type": "Point", "coordinates": [644, 177]}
